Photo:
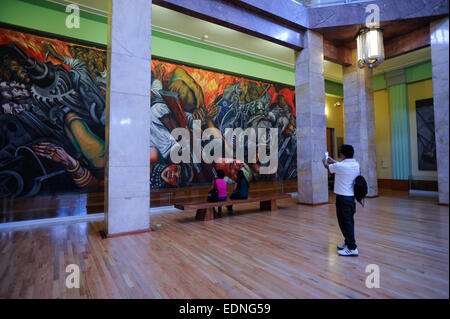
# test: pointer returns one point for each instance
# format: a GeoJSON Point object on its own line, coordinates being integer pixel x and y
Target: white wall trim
{"type": "Point", "coordinates": [222, 46]}
{"type": "Point", "coordinates": [83, 7]}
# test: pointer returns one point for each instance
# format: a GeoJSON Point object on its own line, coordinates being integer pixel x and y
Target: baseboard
{"type": "Point", "coordinates": [384, 183]}
{"type": "Point", "coordinates": [404, 185]}
{"type": "Point", "coordinates": [394, 184]}
{"type": "Point", "coordinates": [400, 185]}
{"type": "Point", "coordinates": [424, 185]}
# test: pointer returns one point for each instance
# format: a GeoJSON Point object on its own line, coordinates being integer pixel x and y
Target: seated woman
{"type": "Point", "coordinates": [222, 188]}
{"type": "Point", "coordinates": [240, 189]}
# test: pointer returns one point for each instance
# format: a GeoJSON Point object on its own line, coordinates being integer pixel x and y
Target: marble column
{"type": "Point", "coordinates": [311, 121]}
{"type": "Point", "coordinates": [360, 120]}
{"type": "Point", "coordinates": [127, 182]}
{"type": "Point", "coordinates": [440, 68]}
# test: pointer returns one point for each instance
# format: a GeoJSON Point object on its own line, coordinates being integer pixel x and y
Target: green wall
{"type": "Point", "coordinates": [379, 82]}
{"type": "Point", "coordinates": [334, 89]}
{"type": "Point", "coordinates": [418, 72]}
{"type": "Point", "coordinates": [50, 17]}
{"type": "Point", "coordinates": [415, 73]}
{"type": "Point", "coordinates": [176, 48]}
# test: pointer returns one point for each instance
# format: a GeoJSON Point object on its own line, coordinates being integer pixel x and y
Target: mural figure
{"type": "Point", "coordinates": [182, 94]}
{"type": "Point", "coordinates": [52, 116]}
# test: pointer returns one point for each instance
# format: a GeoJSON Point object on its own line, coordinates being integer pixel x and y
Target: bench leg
{"type": "Point", "coordinates": [204, 214]}
{"type": "Point", "coordinates": [268, 205]}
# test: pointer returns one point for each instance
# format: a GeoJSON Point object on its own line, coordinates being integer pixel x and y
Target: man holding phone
{"type": "Point", "coordinates": [345, 173]}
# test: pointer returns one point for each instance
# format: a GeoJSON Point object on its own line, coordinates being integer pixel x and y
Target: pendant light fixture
{"type": "Point", "coordinates": [370, 48]}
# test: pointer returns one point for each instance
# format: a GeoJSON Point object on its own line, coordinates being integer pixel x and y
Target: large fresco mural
{"type": "Point", "coordinates": [52, 115]}
{"type": "Point", "coordinates": [183, 94]}
{"type": "Point", "coordinates": [52, 118]}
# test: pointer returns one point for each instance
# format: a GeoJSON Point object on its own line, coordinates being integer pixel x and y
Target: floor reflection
{"type": "Point", "coordinates": [50, 206]}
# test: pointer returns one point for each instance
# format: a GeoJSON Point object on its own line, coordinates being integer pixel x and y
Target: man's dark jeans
{"type": "Point", "coordinates": [345, 209]}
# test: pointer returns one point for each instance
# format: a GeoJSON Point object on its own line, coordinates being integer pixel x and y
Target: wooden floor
{"type": "Point", "coordinates": [78, 204]}
{"type": "Point", "coordinates": [289, 253]}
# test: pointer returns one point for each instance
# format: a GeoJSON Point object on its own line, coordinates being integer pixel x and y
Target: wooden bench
{"type": "Point", "coordinates": [205, 209]}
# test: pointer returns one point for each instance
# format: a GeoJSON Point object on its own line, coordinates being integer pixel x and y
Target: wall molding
{"type": "Point", "coordinates": [222, 46]}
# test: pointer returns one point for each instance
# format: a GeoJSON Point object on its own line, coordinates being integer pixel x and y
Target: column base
{"type": "Point", "coordinates": [105, 235]}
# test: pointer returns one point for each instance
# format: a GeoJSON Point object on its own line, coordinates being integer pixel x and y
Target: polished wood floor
{"type": "Point", "coordinates": [289, 253]}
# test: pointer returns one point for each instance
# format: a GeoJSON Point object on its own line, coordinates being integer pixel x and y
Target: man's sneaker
{"type": "Point", "coordinates": [348, 252]}
{"type": "Point", "coordinates": [341, 246]}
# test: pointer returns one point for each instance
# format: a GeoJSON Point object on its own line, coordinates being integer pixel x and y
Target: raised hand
{"type": "Point", "coordinates": [199, 114]}
{"type": "Point", "coordinates": [160, 72]}
{"type": "Point", "coordinates": [54, 153]}
{"type": "Point", "coordinates": [212, 111]}
{"type": "Point", "coordinates": [48, 47]}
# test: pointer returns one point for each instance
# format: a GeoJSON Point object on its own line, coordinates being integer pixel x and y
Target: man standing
{"type": "Point", "coordinates": [345, 173]}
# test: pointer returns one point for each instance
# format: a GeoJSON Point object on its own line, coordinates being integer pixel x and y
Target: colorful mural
{"type": "Point", "coordinates": [52, 118]}
{"type": "Point", "coordinates": [182, 94]}
{"type": "Point", "coordinates": [52, 115]}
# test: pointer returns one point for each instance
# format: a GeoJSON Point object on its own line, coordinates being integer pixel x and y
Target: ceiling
{"type": "Point", "coordinates": [179, 24]}
{"type": "Point", "coordinates": [404, 60]}
{"type": "Point", "coordinates": [344, 36]}
{"type": "Point", "coordinates": [185, 26]}
{"type": "Point", "coordinates": [175, 23]}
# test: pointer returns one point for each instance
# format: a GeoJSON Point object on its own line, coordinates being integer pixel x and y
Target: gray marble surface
{"type": "Point", "coordinates": [292, 12]}
{"type": "Point", "coordinates": [128, 122]}
{"type": "Point", "coordinates": [439, 36]}
{"type": "Point", "coordinates": [231, 15]}
{"type": "Point", "coordinates": [360, 121]}
{"type": "Point", "coordinates": [311, 121]}
{"type": "Point", "coordinates": [350, 14]}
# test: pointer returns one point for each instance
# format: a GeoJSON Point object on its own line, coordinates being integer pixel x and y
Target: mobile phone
{"type": "Point", "coordinates": [326, 155]}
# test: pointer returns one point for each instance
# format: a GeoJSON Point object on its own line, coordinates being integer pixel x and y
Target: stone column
{"type": "Point", "coordinates": [127, 181]}
{"type": "Point", "coordinates": [360, 120]}
{"type": "Point", "coordinates": [440, 68]}
{"type": "Point", "coordinates": [311, 121]}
